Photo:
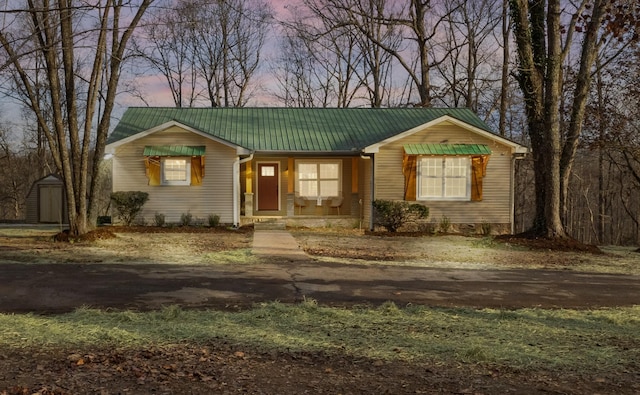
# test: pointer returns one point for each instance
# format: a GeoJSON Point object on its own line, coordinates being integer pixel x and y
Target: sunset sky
{"type": "Point", "coordinates": [157, 93]}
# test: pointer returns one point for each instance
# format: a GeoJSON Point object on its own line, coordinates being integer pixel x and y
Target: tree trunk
{"type": "Point", "coordinates": [588, 55]}
{"type": "Point", "coordinates": [504, 80]}
{"type": "Point", "coordinates": [552, 153]}
{"type": "Point", "coordinates": [424, 86]}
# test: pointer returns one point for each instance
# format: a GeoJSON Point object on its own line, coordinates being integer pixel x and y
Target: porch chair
{"type": "Point", "coordinates": [336, 202]}
{"type": "Point", "coordinates": [299, 202]}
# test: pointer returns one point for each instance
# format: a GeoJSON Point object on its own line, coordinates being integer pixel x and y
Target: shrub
{"type": "Point", "coordinates": [128, 204]}
{"type": "Point", "coordinates": [445, 224]}
{"type": "Point", "coordinates": [485, 228]}
{"type": "Point", "coordinates": [159, 219]}
{"type": "Point", "coordinates": [392, 214]}
{"type": "Point", "coordinates": [214, 220]}
{"type": "Point", "coordinates": [185, 219]}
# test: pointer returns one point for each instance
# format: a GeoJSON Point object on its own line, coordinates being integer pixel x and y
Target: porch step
{"type": "Point", "coordinates": [270, 225]}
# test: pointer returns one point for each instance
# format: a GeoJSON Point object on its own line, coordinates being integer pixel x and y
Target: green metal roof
{"type": "Point", "coordinates": [291, 129]}
{"type": "Point", "coordinates": [174, 150]}
{"type": "Point", "coordinates": [447, 149]}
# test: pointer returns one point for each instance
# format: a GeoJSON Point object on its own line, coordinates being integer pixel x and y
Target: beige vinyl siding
{"type": "Point", "coordinates": [496, 204]}
{"type": "Point", "coordinates": [214, 196]}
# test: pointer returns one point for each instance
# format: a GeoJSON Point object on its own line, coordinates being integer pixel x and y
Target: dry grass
{"type": "Point", "coordinates": [452, 251]}
{"type": "Point", "coordinates": [601, 340]}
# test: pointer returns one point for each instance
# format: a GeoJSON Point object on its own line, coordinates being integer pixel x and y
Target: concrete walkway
{"type": "Point", "coordinates": [278, 244]}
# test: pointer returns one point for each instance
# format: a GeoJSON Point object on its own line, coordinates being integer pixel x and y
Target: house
{"type": "Point", "coordinates": [314, 164]}
{"type": "Point", "coordinates": [46, 201]}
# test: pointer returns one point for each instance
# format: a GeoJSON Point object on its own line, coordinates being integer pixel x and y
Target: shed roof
{"type": "Point", "coordinates": [292, 129]}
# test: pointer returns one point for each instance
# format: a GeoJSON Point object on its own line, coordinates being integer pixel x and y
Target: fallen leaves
{"type": "Point", "coordinates": [225, 368]}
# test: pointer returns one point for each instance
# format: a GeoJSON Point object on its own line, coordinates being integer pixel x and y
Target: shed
{"type": "Point", "coordinates": [46, 201]}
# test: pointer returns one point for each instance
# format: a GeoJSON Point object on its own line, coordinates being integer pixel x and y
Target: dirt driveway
{"type": "Point", "coordinates": [216, 269]}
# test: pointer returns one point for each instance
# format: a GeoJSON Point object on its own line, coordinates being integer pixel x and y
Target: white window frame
{"type": "Point", "coordinates": [318, 180]}
{"type": "Point", "coordinates": [186, 181]}
{"type": "Point", "coordinates": [443, 178]}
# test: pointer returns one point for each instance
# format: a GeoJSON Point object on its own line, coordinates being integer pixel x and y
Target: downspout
{"type": "Point", "coordinates": [236, 188]}
{"type": "Point", "coordinates": [512, 203]}
{"type": "Point", "coordinates": [372, 186]}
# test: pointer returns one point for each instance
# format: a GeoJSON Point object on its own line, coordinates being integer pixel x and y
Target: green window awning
{"type": "Point", "coordinates": [447, 149]}
{"type": "Point", "coordinates": [174, 150]}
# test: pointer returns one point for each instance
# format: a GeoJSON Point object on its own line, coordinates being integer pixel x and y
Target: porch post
{"type": "Point", "coordinates": [248, 205]}
{"type": "Point", "coordinates": [236, 187]}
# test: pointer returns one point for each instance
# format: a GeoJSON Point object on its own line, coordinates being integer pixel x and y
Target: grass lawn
{"type": "Point", "coordinates": [602, 340]}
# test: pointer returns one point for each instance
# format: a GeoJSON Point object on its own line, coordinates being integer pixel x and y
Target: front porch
{"type": "Point", "coordinates": [302, 191]}
{"type": "Point", "coordinates": [304, 212]}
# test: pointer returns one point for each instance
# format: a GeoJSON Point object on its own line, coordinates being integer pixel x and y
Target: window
{"type": "Point", "coordinates": [174, 164]}
{"type": "Point", "coordinates": [444, 178]}
{"type": "Point", "coordinates": [176, 171]}
{"type": "Point", "coordinates": [318, 178]}
{"type": "Point", "coordinates": [267, 171]}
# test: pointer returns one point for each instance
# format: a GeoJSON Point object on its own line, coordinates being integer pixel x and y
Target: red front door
{"type": "Point", "coordinates": [268, 193]}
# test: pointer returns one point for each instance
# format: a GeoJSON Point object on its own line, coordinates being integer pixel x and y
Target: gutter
{"type": "Point", "coordinates": [236, 188]}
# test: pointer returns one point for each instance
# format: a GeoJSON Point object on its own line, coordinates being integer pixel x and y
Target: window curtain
{"type": "Point", "coordinates": [409, 166]}
{"type": "Point", "coordinates": [197, 170]}
{"type": "Point", "coordinates": [478, 172]}
{"type": "Point", "coordinates": [152, 166]}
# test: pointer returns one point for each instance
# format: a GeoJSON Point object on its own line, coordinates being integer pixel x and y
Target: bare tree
{"type": "Point", "coordinates": [17, 161]}
{"type": "Point", "coordinates": [294, 74]}
{"type": "Point", "coordinates": [208, 50]}
{"type": "Point", "coordinates": [468, 69]}
{"type": "Point", "coordinates": [544, 38]}
{"type": "Point", "coordinates": [170, 52]}
{"type": "Point", "coordinates": [229, 40]}
{"type": "Point", "coordinates": [11, 177]}
{"type": "Point", "coordinates": [335, 71]}
{"type": "Point", "coordinates": [63, 33]}
{"type": "Point", "coordinates": [504, 77]}
{"type": "Point", "coordinates": [377, 71]}
{"type": "Point", "coordinates": [419, 22]}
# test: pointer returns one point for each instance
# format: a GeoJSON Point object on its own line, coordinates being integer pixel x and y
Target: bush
{"type": "Point", "coordinates": [445, 224]}
{"type": "Point", "coordinates": [485, 228]}
{"type": "Point", "coordinates": [392, 214]}
{"type": "Point", "coordinates": [186, 219]}
{"type": "Point", "coordinates": [128, 204]}
{"type": "Point", "coordinates": [159, 219]}
{"type": "Point", "coordinates": [214, 220]}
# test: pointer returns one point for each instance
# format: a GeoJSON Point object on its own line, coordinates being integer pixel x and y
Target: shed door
{"type": "Point", "coordinates": [50, 203]}
{"type": "Point", "coordinates": [268, 194]}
